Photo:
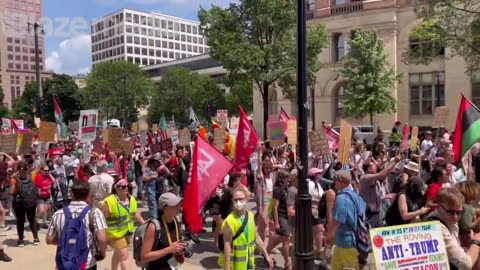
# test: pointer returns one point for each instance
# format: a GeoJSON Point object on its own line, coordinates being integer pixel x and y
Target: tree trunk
{"type": "Point", "coordinates": [371, 118]}
{"type": "Point", "coordinates": [265, 86]}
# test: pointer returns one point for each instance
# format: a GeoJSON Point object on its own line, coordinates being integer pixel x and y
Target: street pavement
{"type": "Point", "coordinates": [42, 257]}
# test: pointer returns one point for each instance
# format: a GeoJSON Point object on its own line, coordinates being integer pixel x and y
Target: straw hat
{"type": "Point", "coordinates": [412, 166]}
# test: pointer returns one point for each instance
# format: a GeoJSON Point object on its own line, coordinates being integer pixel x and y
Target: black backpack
{"type": "Point", "coordinates": [27, 193]}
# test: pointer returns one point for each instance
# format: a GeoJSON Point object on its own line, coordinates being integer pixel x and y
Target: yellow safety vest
{"type": "Point", "coordinates": [242, 256]}
{"type": "Point", "coordinates": [120, 221]}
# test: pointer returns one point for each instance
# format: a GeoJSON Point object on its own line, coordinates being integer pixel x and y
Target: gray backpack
{"type": "Point", "coordinates": [138, 239]}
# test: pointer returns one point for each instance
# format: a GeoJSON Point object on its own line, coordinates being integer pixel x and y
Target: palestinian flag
{"type": "Point", "coordinates": [61, 127]}
{"type": "Point", "coordinates": [467, 130]}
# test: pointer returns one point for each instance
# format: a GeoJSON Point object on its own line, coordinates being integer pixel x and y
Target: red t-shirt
{"type": "Point", "coordinates": [432, 191]}
{"type": "Point", "coordinates": [81, 174]}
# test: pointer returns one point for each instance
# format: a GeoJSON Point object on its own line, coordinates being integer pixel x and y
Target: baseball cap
{"type": "Point", "coordinates": [121, 182]}
{"type": "Point", "coordinates": [343, 176]}
{"type": "Point", "coordinates": [169, 199]}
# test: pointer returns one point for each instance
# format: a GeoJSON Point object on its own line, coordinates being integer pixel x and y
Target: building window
{"type": "Point", "coordinates": [425, 49]}
{"type": "Point", "coordinates": [311, 5]}
{"type": "Point", "coordinates": [476, 88]}
{"type": "Point", "coordinates": [427, 91]}
{"type": "Point", "coordinates": [129, 17]}
{"type": "Point", "coordinates": [338, 47]}
{"type": "Point", "coordinates": [339, 99]}
{"type": "Point", "coordinates": [273, 107]}
{"type": "Point", "coordinates": [189, 29]}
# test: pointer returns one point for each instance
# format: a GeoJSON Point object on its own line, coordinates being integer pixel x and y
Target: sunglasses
{"type": "Point", "coordinates": [122, 187]}
{"type": "Point", "coordinates": [453, 212]}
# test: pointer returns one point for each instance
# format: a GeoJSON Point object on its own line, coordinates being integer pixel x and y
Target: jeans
{"type": "Point", "coordinates": [139, 182]}
{"type": "Point", "coordinates": [63, 191]}
{"type": "Point", "coordinates": [151, 190]}
{"type": "Point", "coordinates": [70, 180]}
{"type": "Point", "coordinates": [20, 213]}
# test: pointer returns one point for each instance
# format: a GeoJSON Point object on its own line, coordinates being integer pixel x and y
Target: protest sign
{"type": "Point", "coordinates": [74, 125]}
{"type": "Point", "coordinates": [42, 148]}
{"type": "Point", "coordinates": [154, 128]}
{"type": "Point", "coordinates": [184, 137]}
{"type": "Point", "coordinates": [413, 246]}
{"type": "Point", "coordinates": [292, 132]}
{"type": "Point", "coordinates": [174, 137]}
{"type": "Point", "coordinates": [441, 116]}
{"type": "Point", "coordinates": [222, 115]}
{"type": "Point", "coordinates": [98, 146]}
{"type": "Point", "coordinates": [345, 142]}
{"type": "Point", "coordinates": [47, 131]}
{"type": "Point", "coordinates": [143, 137]}
{"type": "Point", "coordinates": [8, 143]}
{"type": "Point", "coordinates": [155, 148]}
{"type": "Point", "coordinates": [414, 139]}
{"type": "Point", "coordinates": [166, 145]}
{"type": "Point", "coordinates": [25, 147]}
{"type": "Point", "coordinates": [127, 147]}
{"type": "Point", "coordinates": [319, 143]}
{"type": "Point", "coordinates": [115, 138]}
{"type": "Point", "coordinates": [234, 121]}
{"type": "Point", "coordinates": [219, 138]}
{"type": "Point", "coordinates": [277, 133]}
{"type": "Point", "coordinates": [88, 125]}
{"type": "Point", "coordinates": [86, 152]}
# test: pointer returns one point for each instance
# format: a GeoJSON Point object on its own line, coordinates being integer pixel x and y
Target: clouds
{"type": "Point", "coordinates": [72, 56]}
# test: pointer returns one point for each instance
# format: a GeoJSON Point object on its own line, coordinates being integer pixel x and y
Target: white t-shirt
{"type": "Point", "coordinates": [426, 145]}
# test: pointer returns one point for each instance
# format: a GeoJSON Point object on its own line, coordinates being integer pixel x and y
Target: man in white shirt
{"type": "Point", "coordinates": [71, 163]}
{"type": "Point", "coordinates": [427, 142]}
{"type": "Point", "coordinates": [100, 184]}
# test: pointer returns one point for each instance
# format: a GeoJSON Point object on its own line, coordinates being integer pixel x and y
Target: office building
{"type": "Point", "coordinates": [145, 38]}
{"type": "Point", "coordinates": [422, 88]}
{"type": "Point", "coordinates": [17, 46]}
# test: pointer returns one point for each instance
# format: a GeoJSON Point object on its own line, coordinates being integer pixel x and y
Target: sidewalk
{"type": "Point", "coordinates": [43, 256]}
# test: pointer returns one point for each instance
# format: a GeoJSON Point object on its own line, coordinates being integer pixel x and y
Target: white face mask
{"type": "Point", "coordinates": [240, 205]}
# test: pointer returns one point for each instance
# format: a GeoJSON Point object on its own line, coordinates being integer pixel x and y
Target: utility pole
{"type": "Point", "coordinates": [125, 104]}
{"type": "Point", "coordinates": [303, 213]}
{"type": "Point", "coordinates": [36, 27]}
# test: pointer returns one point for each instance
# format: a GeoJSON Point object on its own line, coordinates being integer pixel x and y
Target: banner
{"type": "Point", "coordinates": [277, 133]}
{"type": "Point", "coordinates": [413, 246]}
{"type": "Point", "coordinates": [283, 116]}
{"type": "Point", "coordinates": [8, 143]}
{"type": "Point", "coordinates": [246, 142]}
{"type": "Point", "coordinates": [333, 138]}
{"type": "Point", "coordinates": [208, 169]}
{"type": "Point", "coordinates": [88, 125]}
{"type": "Point", "coordinates": [7, 124]}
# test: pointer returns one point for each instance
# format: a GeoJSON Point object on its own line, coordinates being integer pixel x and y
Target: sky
{"type": "Point", "coordinates": [67, 26]}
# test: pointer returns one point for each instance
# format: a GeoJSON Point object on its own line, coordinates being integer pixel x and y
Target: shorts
{"type": "Point", "coordinates": [44, 201]}
{"type": "Point", "coordinates": [344, 258]}
{"type": "Point", "coordinates": [284, 229]}
{"type": "Point", "coordinates": [119, 243]}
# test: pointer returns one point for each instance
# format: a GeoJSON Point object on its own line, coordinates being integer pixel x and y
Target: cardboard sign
{"type": "Point", "coordinates": [175, 137]}
{"type": "Point", "coordinates": [222, 115]}
{"type": "Point", "coordinates": [166, 145]}
{"type": "Point", "coordinates": [88, 125]}
{"type": "Point", "coordinates": [276, 133]}
{"type": "Point", "coordinates": [292, 132]}
{"type": "Point", "coordinates": [234, 121]}
{"type": "Point", "coordinates": [47, 131]}
{"type": "Point", "coordinates": [98, 146]}
{"type": "Point", "coordinates": [155, 148]}
{"type": "Point", "coordinates": [319, 143]}
{"type": "Point", "coordinates": [127, 147]}
{"type": "Point", "coordinates": [441, 116]}
{"type": "Point", "coordinates": [155, 127]}
{"type": "Point", "coordinates": [42, 148]}
{"type": "Point", "coordinates": [25, 147]}
{"type": "Point", "coordinates": [115, 139]}
{"type": "Point", "coordinates": [396, 247]}
{"type": "Point", "coordinates": [184, 137]}
{"type": "Point", "coordinates": [86, 152]}
{"type": "Point", "coordinates": [8, 143]}
{"type": "Point", "coordinates": [170, 131]}
{"type": "Point", "coordinates": [414, 139]}
{"type": "Point", "coordinates": [345, 142]}
{"type": "Point", "coordinates": [219, 138]}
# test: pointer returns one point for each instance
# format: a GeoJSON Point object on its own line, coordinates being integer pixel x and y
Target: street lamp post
{"type": "Point", "coordinates": [125, 104]}
{"type": "Point", "coordinates": [36, 27]}
{"type": "Point", "coordinates": [303, 213]}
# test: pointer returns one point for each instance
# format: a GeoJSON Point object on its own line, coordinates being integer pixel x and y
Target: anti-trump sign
{"type": "Point", "coordinates": [417, 246]}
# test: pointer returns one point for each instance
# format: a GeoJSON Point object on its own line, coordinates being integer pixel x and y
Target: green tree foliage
{"type": "Point", "coordinates": [241, 93]}
{"type": "Point", "coordinates": [369, 76]}
{"type": "Point", "coordinates": [180, 89]}
{"type": "Point", "coordinates": [113, 87]}
{"type": "Point", "coordinates": [256, 39]}
{"type": "Point", "coordinates": [63, 87]}
{"type": "Point", "coordinates": [453, 24]}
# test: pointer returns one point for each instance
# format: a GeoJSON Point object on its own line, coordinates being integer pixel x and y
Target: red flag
{"type": "Point", "coordinates": [246, 143]}
{"type": "Point", "coordinates": [333, 138]}
{"type": "Point", "coordinates": [150, 138]}
{"type": "Point", "coordinates": [284, 118]}
{"type": "Point", "coordinates": [14, 125]}
{"type": "Point", "coordinates": [406, 134]}
{"type": "Point", "coordinates": [209, 168]}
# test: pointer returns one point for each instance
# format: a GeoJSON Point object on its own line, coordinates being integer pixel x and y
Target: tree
{"type": "Point", "coordinates": [113, 87]}
{"type": "Point", "coordinates": [64, 89]}
{"type": "Point", "coordinates": [241, 93]}
{"type": "Point", "coordinates": [453, 24]}
{"type": "Point", "coordinates": [369, 77]}
{"type": "Point", "coordinates": [180, 89]}
{"type": "Point", "coordinates": [256, 39]}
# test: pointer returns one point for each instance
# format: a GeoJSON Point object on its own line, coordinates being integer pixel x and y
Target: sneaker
{"type": "Point", "coordinates": [4, 257]}
{"type": "Point", "coordinates": [20, 243]}
{"type": "Point", "coordinates": [5, 228]}
{"type": "Point", "coordinates": [36, 242]}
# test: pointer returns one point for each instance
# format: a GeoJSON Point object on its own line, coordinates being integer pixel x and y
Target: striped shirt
{"type": "Point", "coordinates": [76, 207]}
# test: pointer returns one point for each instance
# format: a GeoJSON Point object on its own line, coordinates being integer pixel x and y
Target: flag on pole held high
{"type": "Point", "coordinates": [333, 138]}
{"type": "Point", "coordinates": [162, 128]}
{"type": "Point", "coordinates": [194, 122]}
{"type": "Point", "coordinates": [284, 118]}
{"type": "Point", "coordinates": [467, 129]}
{"type": "Point", "coordinates": [246, 142]}
{"type": "Point", "coordinates": [208, 170]}
{"type": "Point", "coordinates": [61, 127]}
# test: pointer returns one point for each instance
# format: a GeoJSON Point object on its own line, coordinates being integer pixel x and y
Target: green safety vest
{"type": "Point", "coordinates": [242, 256]}
{"type": "Point", "coordinates": [120, 221]}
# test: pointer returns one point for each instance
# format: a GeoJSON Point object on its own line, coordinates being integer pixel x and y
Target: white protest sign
{"type": "Point", "coordinates": [88, 125]}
